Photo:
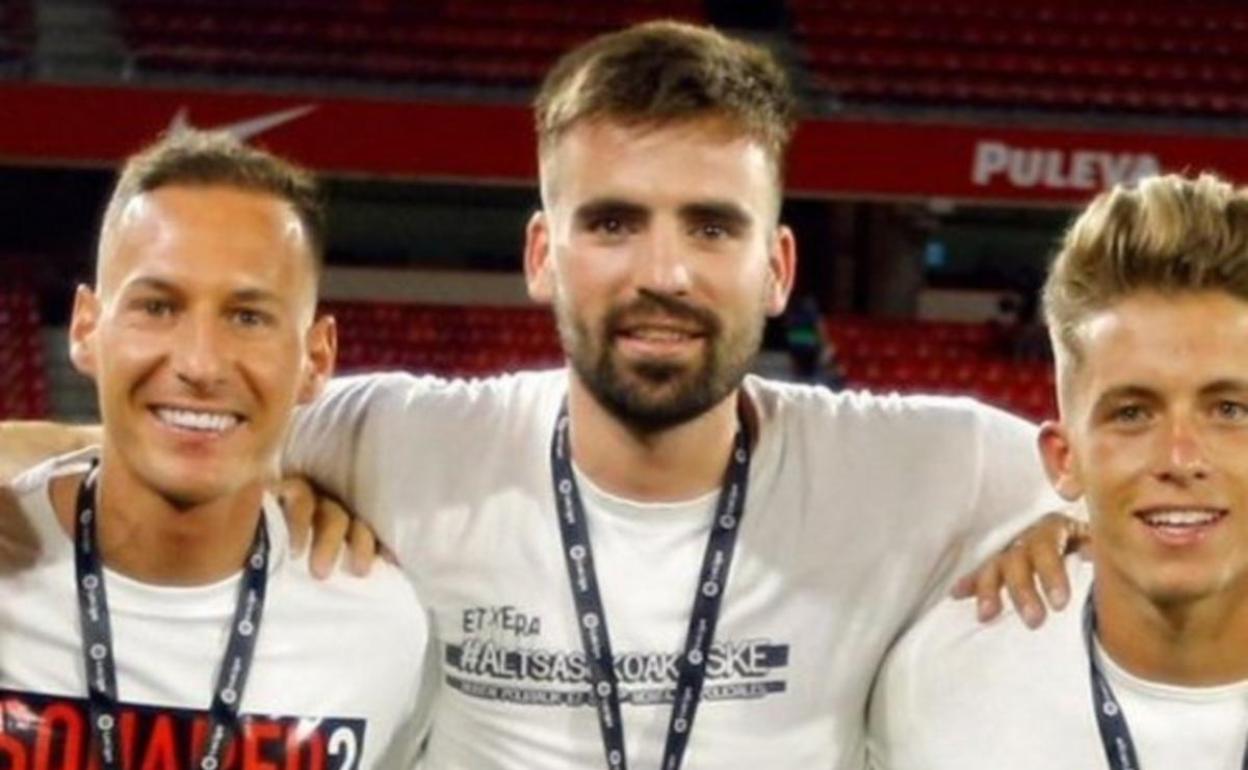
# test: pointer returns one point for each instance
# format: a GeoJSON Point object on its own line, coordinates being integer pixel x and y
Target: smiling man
{"type": "Point", "coordinates": [1148, 306]}
{"type": "Point", "coordinates": [650, 558]}
{"type": "Point", "coordinates": [151, 613]}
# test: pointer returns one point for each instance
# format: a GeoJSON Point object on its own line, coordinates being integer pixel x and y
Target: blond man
{"type": "Point", "coordinates": [1147, 304]}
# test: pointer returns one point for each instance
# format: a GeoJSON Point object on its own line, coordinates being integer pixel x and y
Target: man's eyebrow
{"type": "Point", "coordinates": [151, 282]}
{"type": "Point", "coordinates": [615, 207]}
{"type": "Point", "coordinates": [155, 283]}
{"type": "Point", "coordinates": [254, 295]}
{"type": "Point", "coordinates": [726, 212]}
{"type": "Point", "coordinates": [1223, 386]}
{"type": "Point", "coordinates": [1120, 392]}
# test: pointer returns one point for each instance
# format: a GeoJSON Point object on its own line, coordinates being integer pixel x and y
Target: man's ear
{"type": "Point", "coordinates": [1059, 460]}
{"type": "Point", "coordinates": [538, 264]}
{"type": "Point", "coordinates": [322, 353]}
{"type": "Point", "coordinates": [781, 270]}
{"type": "Point", "coordinates": [83, 326]}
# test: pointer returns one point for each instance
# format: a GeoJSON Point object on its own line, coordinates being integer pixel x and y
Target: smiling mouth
{"type": "Point", "coordinates": [1180, 520]}
{"type": "Point", "coordinates": [197, 420]}
{"type": "Point", "coordinates": [659, 334]}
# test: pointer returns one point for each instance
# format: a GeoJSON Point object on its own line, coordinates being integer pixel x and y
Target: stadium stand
{"type": "Point", "coordinates": [16, 32]}
{"type": "Point", "coordinates": [482, 42]}
{"type": "Point", "coordinates": [23, 375]}
{"type": "Point", "coordinates": [940, 357]}
{"type": "Point", "coordinates": [444, 339]}
{"type": "Point", "coordinates": [1160, 57]}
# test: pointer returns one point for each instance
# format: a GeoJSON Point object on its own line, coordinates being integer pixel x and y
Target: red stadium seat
{"type": "Point", "coordinates": [23, 379]}
{"type": "Point", "coordinates": [1098, 55]}
{"type": "Point", "coordinates": [493, 42]}
{"type": "Point", "coordinates": [444, 339]}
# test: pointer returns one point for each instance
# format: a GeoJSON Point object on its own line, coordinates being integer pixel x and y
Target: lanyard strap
{"type": "Point", "coordinates": [592, 618]}
{"type": "Point", "coordinates": [1110, 721]}
{"type": "Point", "coordinates": [97, 647]}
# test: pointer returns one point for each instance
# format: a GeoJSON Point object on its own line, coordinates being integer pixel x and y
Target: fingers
{"type": "Point", "coordinates": [1018, 571]}
{"type": "Point", "coordinates": [1037, 554]}
{"type": "Point", "coordinates": [1051, 541]}
{"type": "Point", "coordinates": [964, 587]}
{"type": "Point", "coordinates": [298, 502]}
{"type": "Point", "coordinates": [362, 546]}
{"type": "Point", "coordinates": [330, 525]}
{"type": "Point", "coordinates": [986, 585]}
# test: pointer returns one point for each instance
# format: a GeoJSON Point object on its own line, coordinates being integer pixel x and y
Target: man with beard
{"type": "Point", "coordinates": [652, 536]}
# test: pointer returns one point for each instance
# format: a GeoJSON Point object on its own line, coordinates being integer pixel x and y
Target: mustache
{"type": "Point", "coordinates": [652, 304]}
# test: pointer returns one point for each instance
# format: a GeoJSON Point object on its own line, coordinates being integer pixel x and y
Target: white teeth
{"type": "Point", "coordinates": [209, 422]}
{"type": "Point", "coordinates": [1180, 518]}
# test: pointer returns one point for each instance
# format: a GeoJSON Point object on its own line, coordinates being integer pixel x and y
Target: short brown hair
{"type": "Point", "coordinates": [667, 71]}
{"type": "Point", "coordinates": [1167, 234]}
{"type": "Point", "coordinates": [205, 158]}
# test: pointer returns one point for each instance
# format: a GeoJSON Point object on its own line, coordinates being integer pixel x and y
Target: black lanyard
{"type": "Point", "coordinates": [1110, 721]}
{"type": "Point", "coordinates": [592, 618]}
{"type": "Point", "coordinates": [97, 635]}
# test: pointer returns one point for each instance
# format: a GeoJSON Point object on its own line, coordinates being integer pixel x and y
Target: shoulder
{"type": "Point", "coordinates": [390, 394]}
{"type": "Point", "coordinates": [36, 479]}
{"type": "Point", "coordinates": [864, 416]}
{"type": "Point", "coordinates": [948, 657]}
{"type": "Point", "coordinates": [955, 692]}
{"type": "Point", "coordinates": [29, 527]}
{"type": "Point", "coordinates": [380, 605]}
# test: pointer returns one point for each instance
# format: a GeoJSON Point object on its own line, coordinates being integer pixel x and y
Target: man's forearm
{"type": "Point", "coordinates": [23, 444]}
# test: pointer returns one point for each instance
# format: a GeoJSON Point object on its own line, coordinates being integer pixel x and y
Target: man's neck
{"type": "Point", "coordinates": [663, 466]}
{"type": "Point", "coordinates": [1195, 644]}
{"type": "Point", "coordinates": [144, 536]}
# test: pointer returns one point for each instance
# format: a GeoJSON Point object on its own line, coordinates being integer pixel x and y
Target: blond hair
{"type": "Point", "coordinates": [1167, 234]}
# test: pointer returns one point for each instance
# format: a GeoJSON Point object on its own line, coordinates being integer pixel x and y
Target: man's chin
{"type": "Point", "coordinates": [656, 399]}
{"type": "Point", "coordinates": [186, 497]}
{"type": "Point", "coordinates": [187, 489]}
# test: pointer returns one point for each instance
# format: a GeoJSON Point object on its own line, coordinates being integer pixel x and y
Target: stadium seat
{"type": "Point", "coordinates": [1061, 55]}
{"type": "Point", "coordinates": [488, 42]}
{"type": "Point", "coordinates": [444, 339]}
{"type": "Point", "coordinates": [23, 378]}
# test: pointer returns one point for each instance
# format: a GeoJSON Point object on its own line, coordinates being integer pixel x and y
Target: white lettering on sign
{"type": "Point", "coordinates": [1055, 169]}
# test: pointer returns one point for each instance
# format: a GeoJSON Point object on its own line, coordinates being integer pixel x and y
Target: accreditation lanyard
{"type": "Point", "coordinates": [97, 647]}
{"type": "Point", "coordinates": [592, 618]}
{"type": "Point", "coordinates": [1110, 721]}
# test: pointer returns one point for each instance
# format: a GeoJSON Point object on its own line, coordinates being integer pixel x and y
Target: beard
{"type": "Point", "coordinates": [651, 395]}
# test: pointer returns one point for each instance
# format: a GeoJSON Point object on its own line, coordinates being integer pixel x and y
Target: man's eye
{"type": "Point", "coordinates": [249, 318]}
{"type": "Point", "coordinates": [157, 308]}
{"type": "Point", "coordinates": [1129, 413]}
{"type": "Point", "coordinates": [1232, 410]}
{"type": "Point", "coordinates": [607, 225]}
{"type": "Point", "coordinates": [712, 232]}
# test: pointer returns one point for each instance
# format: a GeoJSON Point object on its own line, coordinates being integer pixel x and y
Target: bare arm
{"type": "Point", "coordinates": [23, 444]}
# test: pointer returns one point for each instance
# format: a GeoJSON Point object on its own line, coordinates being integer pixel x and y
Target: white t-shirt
{"type": "Point", "coordinates": [960, 695]}
{"type": "Point", "coordinates": [859, 510]}
{"type": "Point", "coordinates": [334, 682]}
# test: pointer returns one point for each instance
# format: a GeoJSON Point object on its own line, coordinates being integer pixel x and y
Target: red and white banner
{"type": "Point", "coordinates": [97, 126]}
